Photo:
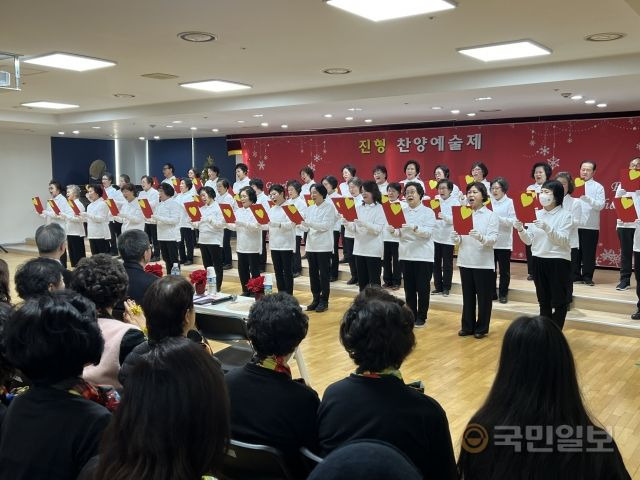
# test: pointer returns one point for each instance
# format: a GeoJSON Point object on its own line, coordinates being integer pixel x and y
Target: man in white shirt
{"type": "Point", "coordinates": [626, 233]}
{"type": "Point", "coordinates": [380, 176]}
{"type": "Point", "coordinates": [169, 177]}
{"type": "Point", "coordinates": [116, 195]}
{"type": "Point", "coordinates": [592, 203]}
{"type": "Point", "coordinates": [258, 186]}
{"type": "Point", "coordinates": [306, 175]}
{"type": "Point", "coordinates": [213, 173]}
{"type": "Point", "coordinates": [151, 195]}
{"type": "Point", "coordinates": [242, 180]}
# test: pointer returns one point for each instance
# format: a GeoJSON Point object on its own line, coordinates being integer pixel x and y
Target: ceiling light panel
{"type": "Point", "coordinates": [68, 61]}
{"type": "Point", "coordinates": [505, 51]}
{"type": "Point", "coordinates": [216, 86]}
{"type": "Point", "coordinates": [379, 10]}
{"type": "Point", "coordinates": [50, 105]}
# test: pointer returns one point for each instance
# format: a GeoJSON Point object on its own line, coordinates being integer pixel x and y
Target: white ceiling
{"type": "Point", "coordinates": [400, 68]}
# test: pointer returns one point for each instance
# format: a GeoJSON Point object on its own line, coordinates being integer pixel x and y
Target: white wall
{"type": "Point", "coordinates": [25, 171]}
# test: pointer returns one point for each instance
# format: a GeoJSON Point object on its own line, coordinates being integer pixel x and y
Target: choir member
{"type": "Point", "coordinates": [242, 180]}
{"type": "Point", "coordinates": [348, 172]}
{"type": "Point", "coordinates": [194, 176]}
{"type": "Point", "coordinates": [636, 256]}
{"type": "Point", "coordinates": [355, 188]}
{"type": "Point", "coordinates": [626, 232]}
{"type": "Point", "coordinates": [411, 172]}
{"type": "Point", "coordinates": [391, 271]}
{"type": "Point", "coordinates": [540, 173]}
{"type": "Point", "coordinates": [441, 172]}
{"type": "Point", "coordinates": [224, 197]}
{"type": "Point", "coordinates": [213, 173]}
{"type": "Point", "coordinates": [263, 199]}
{"type": "Point", "coordinates": [592, 203]}
{"type": "Point", "coordinates": [306, 175]}
{"type": "Point", "coordinates": [479, 172]}
{"type": "Point", "coordinates": [550, 246]}
{"type": "Point", "coordinates": [97, 218]}
{"type": "Point", "coordinates": [55, 190]}
{"type": "Point", "coordinates": [211, 227]}
{"type": "Point", "coordinates": [167, 217]}
{"type": "Point", "coordinates": [331, 184]}
{"type": "Point", "coordinates": [187, 239]}
{"type": "Point", "coordinates": [293, 190]}
{"type": "Point", "coordinates": [475, 261]}
{"type": "Point", "coordinates": [74, 226]}
{"type": "Point", "coordinates": [114, 194]}
{"type": "Point", "coordinates": [443, 245]}
{"type": "Point", "coordinates": [282, 239]}
{"type": "Point", "coordinates": [168, 171]}
{"type": "Point", "coordinates": [573, 206]}
{"type": "Point", "coordinates": [503, 207]}
{"type": "Point", "coordinates": [380, 177]}
{"type": "Point", "coordinates": [249, 239]}
{"type": "Point", "coordinates": [131, 213]}
{"type": "Point", "coordinates": [151, 195]}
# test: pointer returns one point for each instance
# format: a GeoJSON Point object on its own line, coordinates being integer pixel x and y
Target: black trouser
{"type": "Point", "coordinates": [527, 250]}
{"type": "Point", "coordinates": [476, 283]}
{"type": "Point", "coordinates": [212, 257]}
{"type": "Point", "coordinates": [186, 239]}
{"type": "Point", "coordinates": [169, 251]}
{"type": "Point", "coordinates": [226, 248]}
{"type": "Point", "coordinates": [344, 254]}
{"type": "Point", "coordinates": [552, 277]}
{"type": "Point", "coordinates": [392, 273]}
{"type": "Point", "coordinates": [63, 259]}
{"type": "Point", "coordinates": [636, 274]}
{"type": "Point", "coordinates": [152, 232]}
{"type": "Point", "coordinates": [263, 255]}
{"type": "Point", "coordinates": [625, 235]}
{"type": "Point", "coordinates": [347, 250]}
{"type": "Point", "coordinates": [248, 267]}
{"type": "Point", "coordinates": [575, 265]}
{"type": "Point", "coordinates": [75, 247]}
{"type": "Point", "coordinates": [296, 264]}
{"type": "Point", "coordinates": [588, 244]}
{"type": "Point", "coordinates": [319, 275]}
{"type": "Point", "coordinates": [369, 269]}
{"type": "Point", "coordinates": [502, 260]}
{"type": "Point", "coordinates": [97, 245]}
{"type": "Point", "coordinates": [115, 228]}
{"type": "Point", "coordinates": [333, 273]}
{"type": "Point", "coordinates": [417, 277]}
{"type": "Point", "coordinates": [442, 266]}
{"type": "Point", "coordinates": [282, 266]}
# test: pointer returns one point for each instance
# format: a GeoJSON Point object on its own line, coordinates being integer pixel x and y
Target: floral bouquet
{"type": "Point", "coordinates": [255, 285]}
{"type": "Point", "coordinates": [199, 280]}
{"type": "Point", "coordinates": [154, 269]}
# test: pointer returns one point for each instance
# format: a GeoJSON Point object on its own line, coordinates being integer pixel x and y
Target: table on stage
{"type": "Point", "coordinates": [239, 308]}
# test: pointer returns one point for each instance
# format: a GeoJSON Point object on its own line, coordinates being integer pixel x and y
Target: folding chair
{"type": "Point", "coordinates": [248, 461]}
{"type": "Point", "coordinates": [227, 329]}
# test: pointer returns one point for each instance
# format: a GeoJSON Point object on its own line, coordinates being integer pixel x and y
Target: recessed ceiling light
{"type": "Point", "coordinates": [368, 120]}
{"type": "Point", "coordinates": [140, 138]}
{"type": "Point", "coordinates": [60, 133]}
{"type": "Point", "coordinates": [336, 71]}
{"type": "Point", "coordinates": [378, 10]}
{"type": "Point", "coordinates": [348, 118]}
{"type": "Point", "coordinates": [590, 102]}
{"type": "Point", "coordinates": [601, 105]}
{"type": "Point", "coordinates": [354, 109]}
{"type": "Point", "coordinates": [168, 126]}
{"type": "Point", "coordinates": [177, 121]}
{"type": "Point", "coordinates": [258, 115]}
{"type": "Point", "coordinates": [576, 97]}
{"type": "Point", "coordinates": [193, 128]}
{"type": "Point", "coordinates": [159, 76]}
{"type": "Point", "coordinates": [327, 115]}
{"type": "Point", "coordinates": [96, 128]}
{"type": "Point", "coordinates": [284, 125]}
{"type": "Point", "coordinates": [197, 37]}
{"type": "Point", "coordinates": [216, 86]}
{"type": "Point", "coordinates": [240, 121]}
{"type": "Point", "coordinates": [471, 114]}
{"type": "Point", "coordinates": [156, 137]}
{"type": "Point", "coordinates": [455, 112]}
{"type": "Point", "coordinates": [604, 37]}
{"type": "Point", "coordinates": [50, 105]}
{"type": "Point", "coordinates": [124, 95]}
{"type": "Point", "coordinates": [505, 51]}
{"type": "Point", "coordinates": [482, 99]}
{"type": "Point", "coordinates": [215, 130]}
{"type": "Point", "coordinates": [436, 108]}
{"type": "Point", "coordinates": [264, 124]}
{"type": "Point", "coordinates": [76, 132]}
{"type": "Point", "coordinates": [69, 61]}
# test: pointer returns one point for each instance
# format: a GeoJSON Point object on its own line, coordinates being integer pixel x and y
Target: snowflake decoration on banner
{"type": "Point", "coordinates": [544, 150]}
{"type": "Point", "coordinates": [261, 165]}
{"type": "Point", "coordinates": [317, 157]}
{"type": "Point", "coordinates": [554, 162]}
{"type": "Point", "coordinates": [254, 154]}
{"type": "Point", "coordinates": [312, 166]}
{"type": "Point", "coordinates": [609, 257]}
{"type": "Point", "coordinates": [266, 157]}
{"type": "Point", "coordinates": [532, 142]}
{"type": "Point", "coordinates": [638, 145]}
{"type": "Point", "coordinates": [569, 140]}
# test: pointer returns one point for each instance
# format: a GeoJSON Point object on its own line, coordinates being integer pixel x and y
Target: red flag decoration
{"type": "Point", "coordinates": [260, 213]}
{"type": "Point", "coordinates": [630, 180]}
{"type": "Point", "coordinates": [74, 207]}
{"type": "Point", "coordinates": [227, 213]}
{"type": "Point", "coordinates": [145, 206]}
{"type": "Point", "coordinates": [307, 198]}
{"type": "Point", "coordinates": [176, 184]}
{"type": "Point", "coordinates": [292, 212]}
{"type": "Point", "coordinates": [463, 181]}
{"type": "Point", "coordinates": [197, 183]}
{"type": "Point", "coordinates": [393, 212]}
{"type": "Point", "coordinates": [431, 188]}
{"type": "Point", "coordinates": [525, 207]}
{"type": "Point", "coordinates": [156, 183]}
{"type": "Point", "coordinates": [625, 209]}
{"type": "Point", "coordinates": [462, 219]}
{"type": "Point", "coordinates": [112, 206]}
{"type": "Point", "coordinates": [579, 190]}
{"type": "Point", "coordinates": [346, 207]}
{"type": "Point", "coordinates": [193, 211]}
{"type": "Point", "coordinates": [37, 204]}
{"type": "Point", "coordinates": [54, 206]}
{"type": "Point", "coordinates": [433, 204]}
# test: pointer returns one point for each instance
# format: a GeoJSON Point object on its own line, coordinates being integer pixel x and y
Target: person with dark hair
{"type": "Point", "coordinates": [551, 250]}
{"type": "Point", "coordinates": [380, 177]}
{"type": "Point", "coordinates": [54, 428]}
{"type": "Point", "coordinates": [151, 195]}
{"type": "Point", "coordinates": [194, 176]}
{"type": "Point", "coordinates": [348, 236]}
{"type": "Point", "coordinates": [626, 232]}
{"type": "Point", "coordinates": [174, 418]}
{"type": "Point", "coordinates": [374, 402]}
{"type": "Point", "coordinates": [318, 222]}
{"type": "Point", "coordinates": [479, 172]}
{"type": "Point", "coordinates": [285, 416]}
{"type": "Point", "coordinates": [540, 173]}
{"type": "Point", "coordinates": [331, 184]}
{"type": "Point", "coordinates": [38, 276]}
{"type": "Point", "coordinates": [348, 172]}
{"type": "Point", "coordinates": [224, 197]}
{"type": "Point", "coordinates": [592, 203]}
{"type": "Point", "coordinates": [476, 263]}
{"type": "Point", "coordinates": [249, 240]}
{"type": "Point", "coordinates": [5, 289]}
{"type": "Point", "coordinates": [263, 199]}
{"type": "Point", "coordinates": [103, 280]}
{"type": "Point", "coordinates": [97, 218]}
{"type": "Point", "coordinates": [368, 244]}
{"type": "Point", "coordinates": [135, 251]}
{"type": "Point", "coordinates": [536, 399]}
{"type": "Point", "coordinates": [74, 226]}
{"type": "Point", "coordinates": [282, 239]}
{"type": "Point", "coordinates": [411, 171]}
{"type": "Point", "coordinates": [7, 371]}
{"type": "Point", "coordinates": [115, 226]}
{"type": "Point", "coordinates": [306, 175]}
{"type": "Point", "coordinates": [167, 218]}
{"type": "Point", "coordinates": [242, 180]}
{"type": "Point", "coordinates": [131, 214]}
{"type": "Point", "coordinates": [503, 207]}
{"type": "Point", "coordinates": [211, 227]}
{"type": "Point", "coordinates": [168, 171]}
{"type": "Point", "coordinates": [574, 207]}
{"type": "Point", "coordinates": [441, 172]}
{"type": "Point", "coordinates": [294, 198]}
{"type": "Point", "coordinates": [187, 240]}
{"type": "Point", "coordinates": [391, 270]}
{"type": "Point", "coordinates": [213, 173]}
{"type": "Point", "coordinates": [51, 241]}
{"type": "Point", "coordinates": [55, 190]}
{"type": "Point", "coordinates": [443, 245]}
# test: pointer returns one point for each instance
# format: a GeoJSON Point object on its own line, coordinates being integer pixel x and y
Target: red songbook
{"type": "Point", "coordinates": [176, 184]}
{"type": "Point", "coordinates": [54, 206]}
{"type": "Point", "coordinates": [197, 183]}
{"type": "Point", "coordinates": [156, 183]}
{"type": "Point", "coordinates": [271, 204]}
{"type": "Point", "coordinates": [193, 211]}
{"type": "Point", "coordinates": [111, 203]}
{"type": "Point", "coordinates": [292, 212]}
{"type": "Point", "coordinates": [488, 204]}
{"type": "Point", "coordinates": [525, 207]}
{"type": "Point", "coordinates": [393, 212]}
{"type": "Point", "coordinates": [104, 194]}
{"type": "Point", "coordinates": [307, 198]}
{"type": "Point", "coordinates": [346, 207]}
{"type": "Point", "coordinates": [37, 204]}
{"type": "Point", "coordinates": [74, 207]}
{"type": "Point", "coordinates": [431, 188]}
{"type": "Point", "coordinates": [579, 190]}
{"type": "Point", "coordinates": [625, 210]}
{"type": "Point", "coordinates": [630, 180]}
{"type": "Point", "coordinates": [236, 197]}
{"type": "Point", "coordinates": [227, 213]}
{"type": "Point", "coordinates": [462, 219]}
{"type": "Point", "coordinates": [198, 200]}
{"type": "Point", "coordinates": [260, 213]}
{"type": "Point", "coordinates": [463, 181]}
{"type": "Point", "coordinates": [145, 206]}
{"type": "Point", "coordinates": [433, 204]}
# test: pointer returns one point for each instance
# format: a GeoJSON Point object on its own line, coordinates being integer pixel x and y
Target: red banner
{"type": "Point", "coordinates": [508, 150]}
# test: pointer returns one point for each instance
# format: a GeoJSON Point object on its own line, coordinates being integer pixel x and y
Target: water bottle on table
{"type": "Point", "coordinates": [175, 270]}
{"type": "Point", "coordinates": [268, 284]}
{"type": "Point", "coordinates": [211, 281]}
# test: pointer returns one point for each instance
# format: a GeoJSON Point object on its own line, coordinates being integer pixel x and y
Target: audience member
{"type": "Point", "coordinates": [38, 276]}
{"type": "Point", "coordinates": [374, 402]}
{"type": "Point", "coordinates": [135, 250]}
{"type": "Point", "coordinates": [51, 241]}
{"type": "Point", "coordinates": [5, 288]}
{"type": "Point", "coordinates": [52, 429]}
{"type": "Point", "coordinates": [6, 369]}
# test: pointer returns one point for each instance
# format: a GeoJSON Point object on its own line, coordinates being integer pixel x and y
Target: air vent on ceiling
{"type": "Point", "coordinates": [159, 76]}
{"type": "Point", "coordinates": [490, 111]}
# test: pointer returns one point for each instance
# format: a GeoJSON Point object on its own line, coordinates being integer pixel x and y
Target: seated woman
{"type": "Point", "coordinates": [103, 280]}
{"type": "Point", "coordinates": [374, 402]}
{"type": "Point", "coordinates": [538, 394]}
{"type": "Point", "coordinates": [6, 369]}
{"type": "Point", "coordinates": [173, 421]}
{"type": "Point", "coordinates": [52, 429]}
{"type": "Point", "coordinates": [267, 406]}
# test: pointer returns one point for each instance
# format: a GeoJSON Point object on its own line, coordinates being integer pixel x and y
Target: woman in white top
{"type": "Point", "coordinates": [479, 172]}
{"type": "Point", "coordinates": [114, 194]}
{"type": "Point", "coordinates": [282, 239]}
{"type": "Point", "coordinates": [348, 172]}
{"type": "Point", "coordinates": [211, 227]}
{"type": "Point", "coordinates": [318, 222]}
{"type": "Point", "coordinates": [249, 239]}
{"type": "Point", "coordinates": [131, 213]}
{"type": "Point", "coordinates": [475, 261]}
{"type": "Point", "coordinates": [411, 171]}
{"type": "Point", "coordinates": [242, 180]}
{"type": "Point", "coordinates": [167, 217]}
{"type": "Point", "coordinates": [540, 173]}
{"type": "Point", "coordinates": [331, 184]}
{"type": "Point", "coordinates": [306, 177]}
{"type": "Point", "coordinates": [626, 234]}
{"type": "Point", "coordinates": [443, 245]}
{"type": "Point", "coordinates": [187, 240]}
{"type": "Point", "coordinates": [151, 195]}
{"type": "Point", "coordinates": [212, 177]}
{"type": "Point", "coordinates": [550, 246]}
{"type": "Point", "coordinates": [502, 206]}
{"type": "Point", "coordinates": [391, 271]}
{"type": "Point", "coordinates": [223, 196]}
{"type": "Point", "coordinates": [368, 244]}
{"type": "Point", "coordinates": [355, 189]}
{"type": "Point", "coordinates": [416, 251]}
{"type": "Point", "coordinates": [636, 256]}
{"type": "Point", "coordinates": [75, 226]}
{"type": "Point", "coordinates": [97, 218]}
{"type": "Point", "coordinates": [441, 172]}
{"type": "Point", "coordinates": [293, 190]}
{"type": "Point", "coordinates": [55, 190]}
{"type": "Point", "coordinates": [380, 176]}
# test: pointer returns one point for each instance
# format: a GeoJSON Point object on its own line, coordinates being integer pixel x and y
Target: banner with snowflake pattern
{"type": "Point", "coordinates": [509, 150]}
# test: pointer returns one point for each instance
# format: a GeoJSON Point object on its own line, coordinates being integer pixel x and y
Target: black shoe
{"type": "Point", "coordinates": [188, 262]}
{"type": "Point", "coordinates": [386, 285]}
{"type": "Point", "coordinates": [313, 305]}
{"type": "Point", "coordinates": [228, 266]}
{"type": "Point", "coordinates": [420, 324]}
{"type": "Point", "coordinates": [589, 283]}
{"type": "Point", "coordinates": [530, 278]}
{"type": "Point", "coordinates": [333, 279]}
{"type": "Point", "coordinates": [495, 297]}
{"type": "Point", "coordinates": [636, 316]}
{"type": "Point", "coordinates": [344, 260]}
{"type": "Point", "coordinates": [436, 292]}
{"type": "Point", "coordinates": [296, 275]}
{"type": "Point", "coordinates": [322, 307]}
{"type": "Point", "coordinates": [445, 293]}
{"type": "Point", "coordinates": [352, 281]}
{"type": "Point", "coordinates": [464, 333]}
{"type": "Point", "coordinates": [623, 286]}
{"type": "Point", "coordinates": [503, 299]}
{"type": "Point", "coordinates": [578, 281]}
{"type": "Point", "coordinates": [479, 335]}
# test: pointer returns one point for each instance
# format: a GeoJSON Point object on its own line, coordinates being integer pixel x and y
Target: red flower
{"type": "Point", "coordinates": [154, 269]}
{"type": "Point", "coordinates": [198, 276]}
{"type": "Point", "coordinates": [256, 284]}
